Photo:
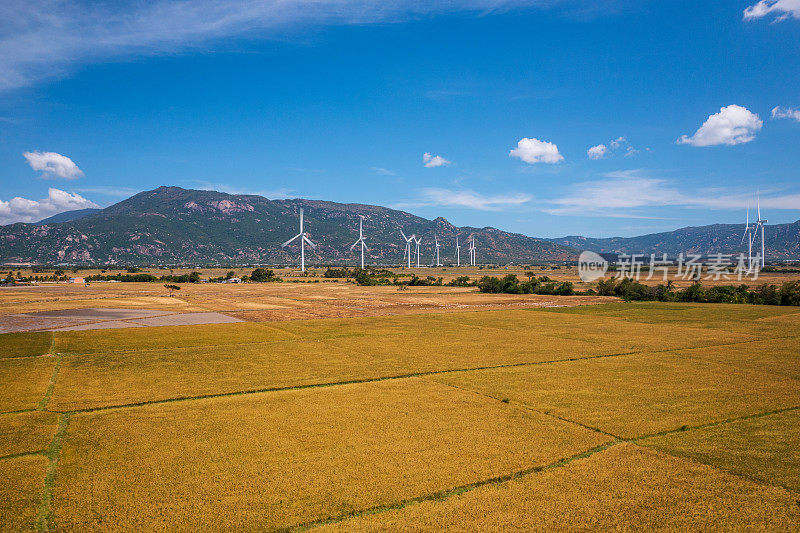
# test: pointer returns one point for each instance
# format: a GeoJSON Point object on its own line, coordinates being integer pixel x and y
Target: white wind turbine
{"type": "Point", "coordinates": [360, 240]}
{"type": "Point", "coordinates": [408, 240]}
{"type": "Point", "coordinates": [436, 243]}
{"type": "Point", "coordinates": [458, 253]}
{"type": "Point", "coordinates": [748, 234]}
{"type": "Point", "coordinates": [418, 241]}
{"type": "Point", "coordinates": [759, 224]}
{"type": "Point", "coordinates": [303, 240]}
{"type": "Point", "coordinates": [472, 249]}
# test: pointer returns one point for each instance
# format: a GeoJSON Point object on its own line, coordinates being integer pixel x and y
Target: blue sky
{"type": "Point", "coordinates": [688, 107]}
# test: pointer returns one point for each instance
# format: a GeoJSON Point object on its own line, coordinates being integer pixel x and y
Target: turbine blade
{"type": "Point", "coordinates": [308, 241]}
{"type": "Point", "coordinates": [290, 240]}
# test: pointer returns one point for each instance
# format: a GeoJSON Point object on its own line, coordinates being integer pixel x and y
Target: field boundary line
{"type": "Point", "coordinates": [367, 380]}
{"type": "Point", "coordinates": [50, 386]}
{"type": "Point", "coordinates": [328, 384]}
{"type": "Point", "coordinates": [53, 453]}
{"type": "Point", "coordinates": [527, 407]}
{"type": "Point", "coordinates": [687, 428]}
{"type": "Point", "coordinates": [22, 454]}
{"type": "Point", "coordinates": [448, 493]}
{"type": "Point", "coordinates": [742, 475]}
{"type": "Point", "coordinates": [17, 411]}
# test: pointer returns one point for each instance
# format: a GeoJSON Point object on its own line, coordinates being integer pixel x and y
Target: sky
{"type": "Point", "coordinates": [543, 117]}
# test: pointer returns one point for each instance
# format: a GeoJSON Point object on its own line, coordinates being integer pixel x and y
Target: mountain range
{"type": "Point", "coordinates": [171, 225]}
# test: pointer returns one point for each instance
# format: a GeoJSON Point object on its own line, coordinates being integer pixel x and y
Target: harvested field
{"type": "Point", "coordinates": [764, 448]}
{"type": "Point", "coordinates": [274, 460]}
{"type": "Point", "coordinates": [623, 488]}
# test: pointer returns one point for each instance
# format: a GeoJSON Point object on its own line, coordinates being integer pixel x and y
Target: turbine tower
{"type": "Point", "coordinates": [759, 224]}
{"type": "Point", "coordinates": [436, 243]}
{"type": "Point", "coordinates": [408, 240]}
{"type": "Point", "coordinates": [748, 234]}
{"type": "Point", "coordinates": [418, 241]}
{"type": "Point", "coordinates": [472, 248]}
{"type": "Point", "coordinates": [360, 240]}
{"type": "Point", "coordinates": [303, 240]}
{"type": "Point", "coordinates": [458, 253]}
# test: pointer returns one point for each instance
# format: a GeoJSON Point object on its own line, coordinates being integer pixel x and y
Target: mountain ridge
{"type": "Point", "coordinates": [172, 225]}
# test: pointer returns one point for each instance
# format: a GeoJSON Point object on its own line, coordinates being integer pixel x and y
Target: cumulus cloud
{"type": "Point", "coordinates": [46, 38]}
{"type": "Point", "coordinates": [433, 161]}
{"type": "Point", "coordinates": [57, 201]}
{"type": "Point", "coordinates": [732, 125]}
{"type": "Point", "coordinates": [437, 197]}
{"type": "Point", "coordinates": [781, 9]}
{"type": "Point", "coordinates": [630, 193]}
{"type": "Point", "coordinates": [618, 145]}
{"type": "Point", "coordinates": [536, 151]}
{"type": "Point", "coordinates": [786, 112]}
{"type": "Point", "coordinates": [53, 165]}
{"type": "Point", "coordinates": [597, 152]}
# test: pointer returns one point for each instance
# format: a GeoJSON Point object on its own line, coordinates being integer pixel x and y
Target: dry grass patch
{"type": "Point", "coordinates": [21, 486]}
{"type": "Point", "coordinates": [25, 344]}
{"type": "Point", "coordinates": [780, 357]}
{"type": "Point", "coordinates": [425, 352]}
{"type": "Point", "coordinates": [26, 432]}
{"type": "Point", "coordinates": [765, 448]}
{"type": "Point", "coordinates": [278, 459]}
{"type": "Point", "coordinates": [100, 380]}
{"type": "Point", "coordinates": [753, 319]}
{"type": "Point", "coordinates": [624, 488]}
{"type": "Point", "coordinates": [609, 334]}
{"type": "Point", "coordinates": [164, 337]}
{"type": "Point", "coordinates": [23, 382]}
{"type": "Point", "coordinates": [635, 395]}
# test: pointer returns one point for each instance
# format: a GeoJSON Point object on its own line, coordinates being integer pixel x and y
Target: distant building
{"type": "Point", "coordinates": [233, 280]}
{"type": "Point", "coordinates": [77, 280]}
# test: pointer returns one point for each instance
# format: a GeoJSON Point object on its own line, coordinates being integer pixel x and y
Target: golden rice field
{"type": "Point", "coordinates": [493, 414]}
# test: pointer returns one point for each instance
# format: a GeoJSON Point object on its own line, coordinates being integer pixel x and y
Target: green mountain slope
{"type": "Point", "coordinates": [171, 225]}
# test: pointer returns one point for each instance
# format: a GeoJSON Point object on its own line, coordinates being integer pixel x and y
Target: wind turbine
{"type": "Point", "coordinates": [360, 240]}
{"type": "Point", "coordinates": [458, 253]}
{"type": "Point", "coordinates": [408, 240]}
{"type": "Point", "coordinates": [436, 243]}
{"type": "Point", "coordinates": [759, 224]}
{"type": "Point", "coordinates": [418, 241]}
{"type": "Point", "coordinates": [748, 234]}
{"type": "Point", "coordinates": [472, 248]}
{"type": "Point", "coordinates": [303, 240]}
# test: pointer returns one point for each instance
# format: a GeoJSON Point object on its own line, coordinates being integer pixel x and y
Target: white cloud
{"type": "Point", "coordinates": [436, 197]}
{"type": "Point", "coordinates": [629, 193]}
{"type": "Point", "coordinates": [732, 125]}
{"type": "Point", "coordinates": [383, 171]}
{"type": "Point", "coordinates": [597, 152]}
{"type": "Point", "coordinates": [786, 112]}
{"type": "Point", "coordinates": [536, 151]}
{"type": "Point", "coordinates": [57, 201]}
{"type": "Point", "coordinates": [433, 161]}
{"type": "Point", "coordinates": [53, 165]}
{"type": "Point", "coordinates": [782, 9]}
{"type": "Point", "coordinates": [46, 38]}
{"type": "Point", "coordinates": [620, 144]}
